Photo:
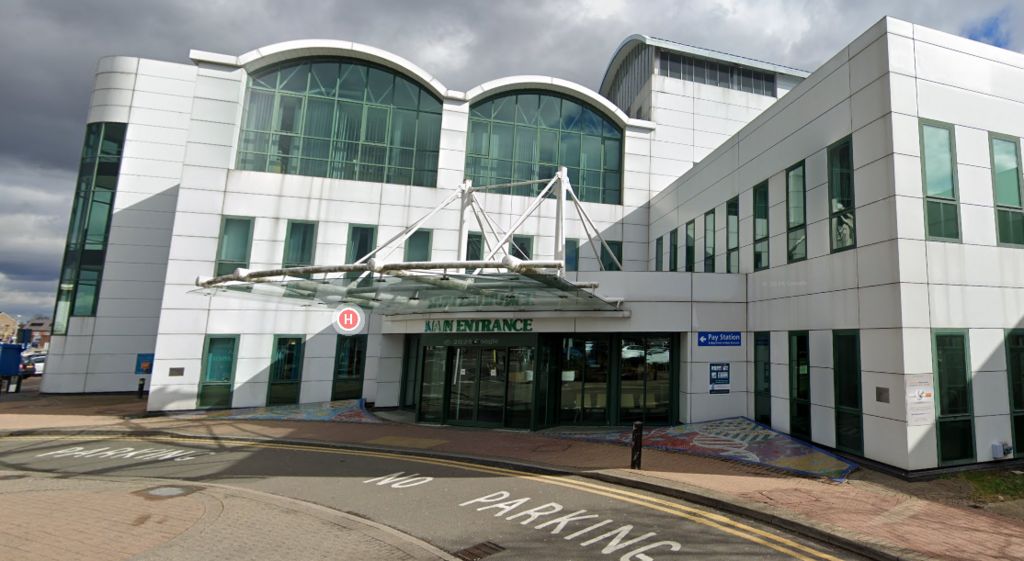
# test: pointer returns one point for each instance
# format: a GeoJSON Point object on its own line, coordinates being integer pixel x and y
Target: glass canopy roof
{"type": "Point", "coordinates": [423, 292]}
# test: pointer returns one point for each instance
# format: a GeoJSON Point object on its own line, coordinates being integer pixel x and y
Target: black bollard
{"type": "Point", "coordinates": [142, 387]}
{"type": "Point", "coordinates": [638, 445]}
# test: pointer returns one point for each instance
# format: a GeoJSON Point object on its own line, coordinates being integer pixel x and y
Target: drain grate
{"type": "Point", "coordinates": [479, 551]}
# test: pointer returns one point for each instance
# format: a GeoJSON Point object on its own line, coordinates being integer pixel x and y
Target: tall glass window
{"type": "Point", "coordinates": [691, 249]}
{"type": "Point", "coordinates": [799, 385]}
{"type": "Point", "coordinates": [732, 235]}
{"type": "Point", "coordinates": [763, 378]}
{"type": "Point", "coordinates": [527, 135]}
{"type": "Point", "coordinates": [709, 242]}
{"type": "Point", "coordinates": [361, 241]}
{"type": "Point", "coordinates": [235, 245]}
{"type": "Point", "coordinates": [673, 250]}
{"type": "Point", "coordinates": [89, 227]}
{"type": "Point", "coordinates": [761, 226]}
{"type": "Point", "coordinates": [417, 247]}
{"type": "Point", "coordinates": [796, 217]}
{"type": "Point", "coordinates": [953, 385]}
{"type": "Point", "coordinates": [299, 244]}
{"type": "Point", "coordinates": [340, 118]}
{"type": "Point", "coordinates": [349, 361]}
{"type": "Point", "coordinates": [474, 246]}
{"type": "Point", "coordinates": [938, 150]}
{"type": "Point", "coordinates": [285, 370]}
{"type": "Point", "coordinates": [1015, 368]}
{"type": "Point", "coordinates": [846, 368]}
{"type": "Point", "coordinates": [1007, 184]}
{"type": "Point", "coordinates": [572, 254]}
{"type": "Point", "coordinates": [843, 232]}
{"type": "Point", "coordinates": [645, 370]}
{"type": "Point", "coordinates": [218, 371]}
{"type": "Point", "coordinates": [659, 248]}
{"type": "Point", "coordinates": [584, 380]}
{"type": "Point", "coordinates": [607, 263]}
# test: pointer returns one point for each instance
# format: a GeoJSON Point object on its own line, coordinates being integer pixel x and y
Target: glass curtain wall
{"type": "Point", "coordinates": [89, 228]}
{"type": "Point", "coordinates": [340, 118]}
{"type": "Point", "coordinates": [527, 135]}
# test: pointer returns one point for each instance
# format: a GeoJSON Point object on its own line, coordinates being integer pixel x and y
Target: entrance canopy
{"type": "Point", "coordinates": [494, 283]}
{"type": "Point", "coordinates": [425, 292]}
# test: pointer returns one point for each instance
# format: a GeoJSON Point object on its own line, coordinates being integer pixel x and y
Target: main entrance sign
{"type": "Point", "coordinates": [478, 326]}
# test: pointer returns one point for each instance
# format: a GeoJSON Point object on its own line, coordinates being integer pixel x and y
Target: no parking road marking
{"type": "Point", "coordinates": [140, 454]}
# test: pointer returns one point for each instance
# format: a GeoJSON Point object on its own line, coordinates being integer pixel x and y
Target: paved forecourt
{"type": "Point", "coordinates": [465, 509]}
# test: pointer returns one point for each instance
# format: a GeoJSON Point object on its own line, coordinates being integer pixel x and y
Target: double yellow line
{"type": "Point", "coordinates": [721, 523]}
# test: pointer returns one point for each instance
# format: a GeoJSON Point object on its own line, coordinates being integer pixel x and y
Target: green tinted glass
{"type": "Point", "coordinates": [938, 161]}
{"type": "Point", "coordinates": [299, 244]}
{"type": "Point", "coordinates": [1006, 172]}
{"type": "Point", "coordinates": [417, 247]}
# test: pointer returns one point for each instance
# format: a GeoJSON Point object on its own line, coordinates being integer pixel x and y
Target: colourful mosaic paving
{"type": "Point", "coordinates": [736, 438]}
{"type": "Point", "coordinates": [350, 411]}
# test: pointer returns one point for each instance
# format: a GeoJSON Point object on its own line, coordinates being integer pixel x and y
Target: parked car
{"type": "Point", "coordinates": [28, 368]}
{"type": "Point", "coordinates": [40, 364]}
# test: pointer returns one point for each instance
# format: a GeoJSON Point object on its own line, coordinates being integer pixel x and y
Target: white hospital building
{"type": "Point", "coordinates": [837, 254]}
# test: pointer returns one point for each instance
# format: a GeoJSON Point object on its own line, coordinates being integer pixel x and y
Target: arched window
{"type": "Point", "coordinates": [528, 134]}
{"type": "Point", "coordinates": [340, 118]}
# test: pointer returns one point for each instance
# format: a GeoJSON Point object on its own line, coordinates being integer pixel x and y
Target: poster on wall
{"type": "Point", "coordinates": [920, 399]}
{"type": "Point", "coordinates": [719, 374]}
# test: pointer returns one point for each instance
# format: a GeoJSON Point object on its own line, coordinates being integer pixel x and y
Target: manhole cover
{"type": "Point", "coordinates": [166, 492]}
{"type": "Point", "coordinates": [479, 551]}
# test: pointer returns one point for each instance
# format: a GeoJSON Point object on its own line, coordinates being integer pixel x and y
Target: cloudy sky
{"type": "Point", "coordinates": [49, 50]}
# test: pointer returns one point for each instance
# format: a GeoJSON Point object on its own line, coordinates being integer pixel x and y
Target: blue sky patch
{"type": "Point", "coordinates": [992, 30]}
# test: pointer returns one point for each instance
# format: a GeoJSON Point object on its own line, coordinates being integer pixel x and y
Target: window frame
{"type": "Point", "coordinates": [762, 187]}
{"type": "Point", "coordinates": [730, 249]}
{"type": "Point", "coordinates": [969, 415]}
{"type": "Point", "coordinates": [955, 201]}
{"type": "Point", "coordinates": [604, 252]}
{"type": "Point", "coordinates": [803, 225]}
{"type": "Point", "coordinates": [349, 258]}
{"type": "Point", "coordinates": [859, 385]}
{"type": "Point", "coordinates": [673, 250]}
{"type": "Point", "coordinates": [659, 248]}
{"type": "Point", "coordinates": [220, 242]}
{"type": "Point", "coordinates": [230, 383]}
{"type": "Point", "coordinates": [514, 242]}
{"type": "Point", "coordinates": [572, 266]}
{"type": "Point", "coordinates": [709, 258]}
{"type": "Point", "coordinates": [996, 207]}
{"type": "Point", "coordinates": [287, 238]}
{"type": "Point", "coordinates": [1016, 438]}
{"type": "Point", "coordinates": [833, 214]}
{"type": "Point", "coordinates": [430, 244]}
{"type": "Point", "coordinates": [690, 235]}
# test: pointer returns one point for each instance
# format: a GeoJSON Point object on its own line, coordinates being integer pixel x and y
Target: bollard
{"type": "Point", "coordinates": [638, 445]}
{"type": "Point", "coordinates": [142, 387]}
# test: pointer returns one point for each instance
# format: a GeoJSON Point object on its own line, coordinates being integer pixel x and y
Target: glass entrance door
{"type": "Point", "coordinates": [285, 371]}
{"type": "Point", "coordinates": [478, 381]}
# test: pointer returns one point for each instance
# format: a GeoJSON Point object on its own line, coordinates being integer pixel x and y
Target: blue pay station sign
{"type": "Point", "coordinates": [718, 338]}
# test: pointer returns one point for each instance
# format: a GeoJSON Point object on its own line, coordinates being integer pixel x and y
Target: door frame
{"type": "Point", "coordinates": [270, 371]}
